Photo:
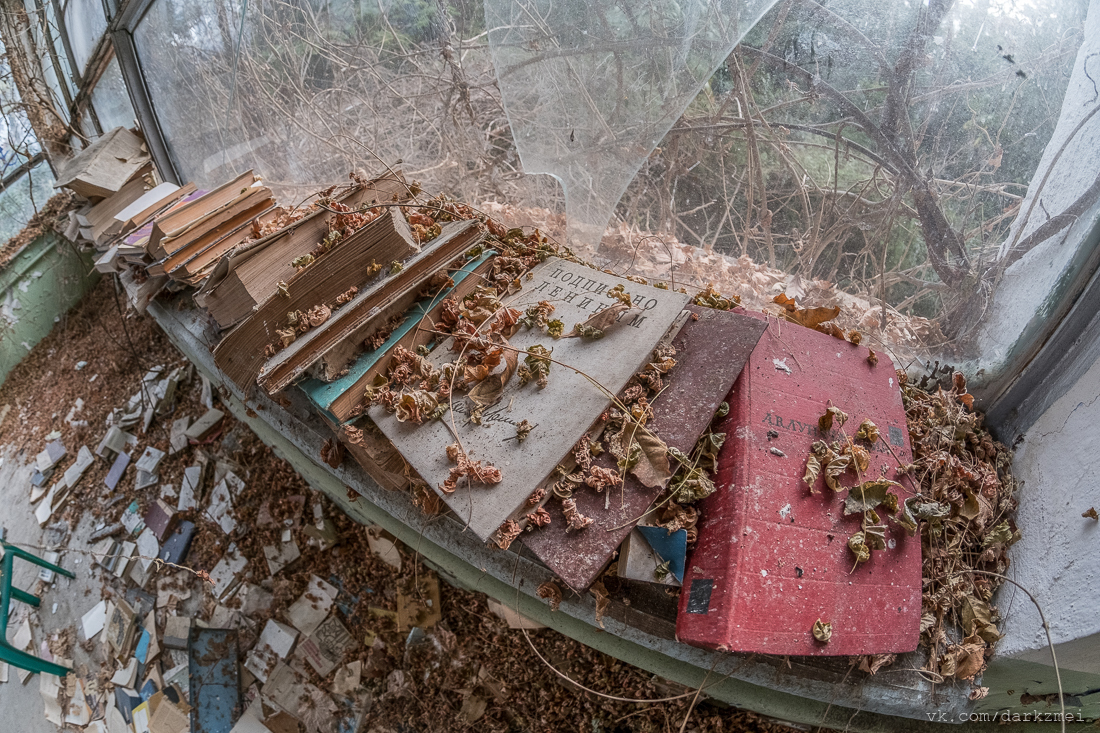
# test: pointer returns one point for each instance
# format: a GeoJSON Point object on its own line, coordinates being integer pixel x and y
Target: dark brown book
{"type": "Point", "coordinates": [352, 262]}
{"type": "Point", "coordinates": [352, 320]}
{"type": "Point", "coordinates": [710, 354]}
{"type": "Point", "coordinates": [249, 276]}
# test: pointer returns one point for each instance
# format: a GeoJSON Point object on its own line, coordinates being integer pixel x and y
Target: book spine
{"type": "Point", "coordinates": [705, 614]}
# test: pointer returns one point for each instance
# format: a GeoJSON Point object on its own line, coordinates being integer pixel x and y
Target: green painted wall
{"type": "Point", "coordinates": [37, 287]}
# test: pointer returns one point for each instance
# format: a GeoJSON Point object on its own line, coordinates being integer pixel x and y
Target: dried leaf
{"type": "Point", "coordinates": [473, 707]}
{"type": "Point", "coordinates": [711, 298]}
{"type": "Point", "coordinates": [596, 324]}
{"type": "Point", "coordinates": [978, 693]}
{"type": "Point", "coordinates": [872, 663]}
{"type": "Point", "coordinates": [652, 467]}
{"type": "Point", "coordinates": [972, 611]}
{"type": "Point", "coordinates": [416, 406]}
{"type": "Point", "coordinates": [573, 518]}
{"type": "Point", "coordinates": [834, 468]}
{"type": "Point", "coordinates": [874, 536]}
{"type": "Point", "coordinates": [375, 387]}
{"type": "Point", "coordinates": [476, 473]}
{"type": "Point", "coordinates": [318, 314]}
{"type": "Point", "coordinates": [858, 546]}
{"type": "Point", "coordinates": [813, 468]}
{"type": "Point", "coordinates": [867, 431]}
{"type": "Point", "coordinates": [808, 317]}
{"type": "Point", "coordinates": [523, 429]}
{"type": "Point", "coordinates": [692, 486]}
{"type": "Point", "coordinates": [707, 449]}
{"type": "Point", "coordinates": [1002, 533]}
{"type": "Point", "coordinates": [480, 305]}
{"type": "Point", "coordinates": [1091, 514]}
{"type": "Point", "coordinates": [332, 452]}
{"type": "Point", "coordinates": [818, 454]}
{"type": "Point", "coordinates": [489, 391]}
{"type": "Point", "coordinates": [825, 422]}
{"type": "Point", "coordinates": [823, 631]}
{"type": "Point", "coordinates": [867, 495]}
{"type": "Point", "coordinates": [861, 456]}
{"type": "Point", "coordinates": [536, 365]}
{"type": "Point", "coordinates": [603, 601]}
{"type": "Point", "coordinates": [507, 533]}
{"type": "Point", "coordinates": [969, 658]}
{"type": "Point", "coordinates": [602, 478]}
{"type": "Point", "coordinates": [970, 508]}
{"type": "Point", "coordinates": [552, 593]}
{"type": "Point", "coordinates": [539, 518]}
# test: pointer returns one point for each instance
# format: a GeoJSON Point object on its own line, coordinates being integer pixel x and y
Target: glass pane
{"type": "Point", "coordinates": [112, 103]}
{"type": "Point", "coordinates": [18, 143]}
{"type": "Point", "coordinates": [85, 22]}
{"type": "Point", "coordinates": [321, 89]}
{"type": "Point", "coordinates": [54, 30]}
{"type": "Point", "coordinates": [23, 198]}
{"type": "Point", "coordinates": [880, 156]}
{"type": "Point", "coordinates": [872, 156]}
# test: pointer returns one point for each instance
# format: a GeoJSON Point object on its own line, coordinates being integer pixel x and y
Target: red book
{"type": "Point", "coordinates": [772, 558]}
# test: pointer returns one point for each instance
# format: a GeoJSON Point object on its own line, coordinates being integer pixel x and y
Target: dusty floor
{"type": "Point", "coordinates": [471, 670]}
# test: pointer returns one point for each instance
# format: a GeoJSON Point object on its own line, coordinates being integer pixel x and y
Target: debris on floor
{"type": "Point", "coordinates": [352, 606]}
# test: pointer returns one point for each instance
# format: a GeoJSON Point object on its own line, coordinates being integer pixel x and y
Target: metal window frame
{"type": "Point", "coordinates": [55, 62]}
{"type": "Point", "coordinates": [22, 169]}
{"type": "Point", "coordinates": [1069, 348]}
{"type": "Point", "coordinates": [121, 30]}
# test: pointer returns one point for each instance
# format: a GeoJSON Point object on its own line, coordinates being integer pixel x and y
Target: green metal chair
{"type": "Point", "coordinates": [8, 653]}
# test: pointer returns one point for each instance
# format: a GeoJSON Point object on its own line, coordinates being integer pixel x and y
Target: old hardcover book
{"type": "Point", "coordinates": [101, 217]}
{"type": "Point", "coordinates": [249, 276]}
{"type": "Point", "coordinates": [103, 167]}
{"type": "Point", "coordinates": [338, 398]}
{"type": "Point", "coordinates": [241, 354]}
{"type": "Point", "coordinates": [150, 204]}
{"type": "Point", "coordinates": [132, 247]}
{"type": "Point", "coordinates": [197, 235]}
{"type": "Point", "coordinates": [710, 353]}
{"type": "Point", "coordinates": [561, 412]}
{"type": "Point", "coordinates": [355, 320]}
{"type": "Point", "coordinates": [179, 220]}
{"type": "Point", "coordinates": [207, 246]}
{"type": "Point", "coordinates": [772, 557]}
{"type": "Point", "coordinates": [200, 265]}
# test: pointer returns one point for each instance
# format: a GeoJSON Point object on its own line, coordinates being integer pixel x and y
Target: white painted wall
{"type": "Point", "coordinates": [1058, 559]}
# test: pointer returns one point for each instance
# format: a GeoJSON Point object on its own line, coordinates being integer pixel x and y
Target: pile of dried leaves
{"type": "Point", "coordinates": [967, 502]}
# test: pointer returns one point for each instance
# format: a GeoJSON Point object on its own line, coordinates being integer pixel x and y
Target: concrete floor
{"type": "Point", "coordinates": [21, 705]}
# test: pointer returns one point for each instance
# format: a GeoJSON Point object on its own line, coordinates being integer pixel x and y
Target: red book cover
{"type": "Point", "coordinates": [771, 557]}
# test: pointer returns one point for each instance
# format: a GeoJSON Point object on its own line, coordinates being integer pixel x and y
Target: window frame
{"type": "Point", "coordinates": [121, 30]}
